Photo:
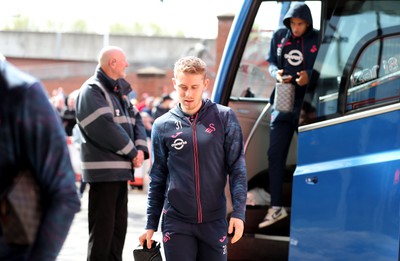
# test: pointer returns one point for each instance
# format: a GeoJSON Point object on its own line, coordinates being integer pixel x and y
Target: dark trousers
{"type": "Point", "coordinates": [82, 188]}
{"type": "Point", "coordinates": [195, 242]}
{"type": "Point", "coordinates": [108, 220]}
{"type": "Point", "coordinates": [13, 252]}
{"type": "Point", "coordinates": [283, 126]}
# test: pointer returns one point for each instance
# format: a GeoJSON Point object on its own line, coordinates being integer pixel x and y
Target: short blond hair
{"type": "Point", "coordinates": [190, 64]}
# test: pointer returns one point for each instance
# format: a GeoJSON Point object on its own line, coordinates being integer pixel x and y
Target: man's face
{"type": "Point", "coordinates": [298, 26]}
{"type": "Point", "coordinates": [190, 88]}
{"type": "Point", "coordinates": [119, 64]}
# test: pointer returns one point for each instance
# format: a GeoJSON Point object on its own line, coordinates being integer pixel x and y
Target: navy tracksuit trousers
{"type": "Point", "coordinates": [282, 127]}
{"type": "Point", "coordinates": [195, 242]}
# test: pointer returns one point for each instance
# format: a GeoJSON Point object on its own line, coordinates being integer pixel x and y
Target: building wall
{"type": "Point", "coordinates": [68, 59]}
{"type": "Point", "coordinates": [140, 50]}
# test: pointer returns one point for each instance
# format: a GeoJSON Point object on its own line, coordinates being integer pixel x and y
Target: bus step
{"type": "Point", "coordinates": [255, 248]}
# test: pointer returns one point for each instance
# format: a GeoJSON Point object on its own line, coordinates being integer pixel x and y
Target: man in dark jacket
{"type": "Point", "coordinates": [113, 144]}
{"type": "Point", "coordinates": [196, 146]}
{"type": "Point", "coordinates": [291, 58]}
{"type": "Point", "coordinates": [164, 106]}
{"type": "Point", "coordinates": [32, 137]}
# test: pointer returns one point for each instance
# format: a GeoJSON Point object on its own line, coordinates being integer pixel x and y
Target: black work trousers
{"type": "Point", "coordinates": [108, 220]}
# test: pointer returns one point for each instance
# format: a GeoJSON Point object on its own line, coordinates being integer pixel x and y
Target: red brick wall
{"type": "Point", "coordinates": [224, 26]}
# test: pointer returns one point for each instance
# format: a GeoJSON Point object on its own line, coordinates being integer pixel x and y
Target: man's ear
{"type": "Point", "coordinates": [206, 82]}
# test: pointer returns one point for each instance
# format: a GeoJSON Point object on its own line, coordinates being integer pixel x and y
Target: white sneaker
{"type": "Point", "coordinates": [273, 215]}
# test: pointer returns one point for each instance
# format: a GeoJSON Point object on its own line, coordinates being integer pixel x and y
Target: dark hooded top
{"type": "Point", "coordinates": [191, 162]}
{"type": "Point", "coordinates": [294, 54]}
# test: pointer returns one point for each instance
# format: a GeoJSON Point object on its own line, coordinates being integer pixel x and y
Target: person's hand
{"type": "Point", "coordinates": [280, 77]}
{"type": "Point", "coordinates": [303, 78]}
{"type": "Point", "coordinates": [147, 236]}
{"type": "Point", "coordinates": [237, 225]}
{"type": "Point", "coordinates": [138, 160]}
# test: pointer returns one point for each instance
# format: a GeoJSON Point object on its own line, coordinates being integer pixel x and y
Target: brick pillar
{"type": "Point", "coordinates": [224, 26]}
{"type": "Point", "coordinates": [150, 80]}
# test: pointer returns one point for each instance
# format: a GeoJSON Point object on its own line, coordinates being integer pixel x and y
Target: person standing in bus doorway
{"type": "Point", "coordinates": [291, 58]}
{"type": "Point", "coordinates": [196, 146]}
{"type": "Point", "coordinates": [114, 143]}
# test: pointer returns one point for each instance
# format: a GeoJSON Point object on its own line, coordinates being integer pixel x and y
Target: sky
{"type": "Point", "coordinates": [196, 19]}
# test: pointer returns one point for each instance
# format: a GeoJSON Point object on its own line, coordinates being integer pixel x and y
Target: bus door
{"type": "Point", "coordinates": [243, 81]}
{"type": "Point", "coordinates": [346, 187]}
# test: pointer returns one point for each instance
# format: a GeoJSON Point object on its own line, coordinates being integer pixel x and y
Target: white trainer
{"type": "Point", "coordinates": [273, 215]}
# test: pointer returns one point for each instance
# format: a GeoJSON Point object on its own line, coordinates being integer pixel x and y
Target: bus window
{"type": "Point", "coordinates": [353, 25]}
{"type": "Point", "coordinates": [376, 75]}
{"type": "Point", "coordinates": [252, 78]}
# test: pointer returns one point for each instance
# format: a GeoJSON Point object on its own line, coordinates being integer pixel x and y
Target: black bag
{"type": "Point", "coordinates": [145, 254]}
{"type": "Point", "coordinates": [20, 210]}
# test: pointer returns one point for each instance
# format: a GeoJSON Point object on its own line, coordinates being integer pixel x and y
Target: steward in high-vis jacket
{"type": "Point", "coordinates": [113, 144]}
{"type": "Point", "coordinates": [112, 129]}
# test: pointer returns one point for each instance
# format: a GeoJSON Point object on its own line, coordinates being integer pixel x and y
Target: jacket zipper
{"type": "Point", "coordinates": [197, 171]}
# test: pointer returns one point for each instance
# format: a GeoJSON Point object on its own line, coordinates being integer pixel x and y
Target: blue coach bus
{"type": "Point", "coordinates": [342, 187]}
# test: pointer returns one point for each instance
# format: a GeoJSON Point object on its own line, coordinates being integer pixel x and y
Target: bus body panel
{"type": "Point", "coordinates": [346, 206]}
